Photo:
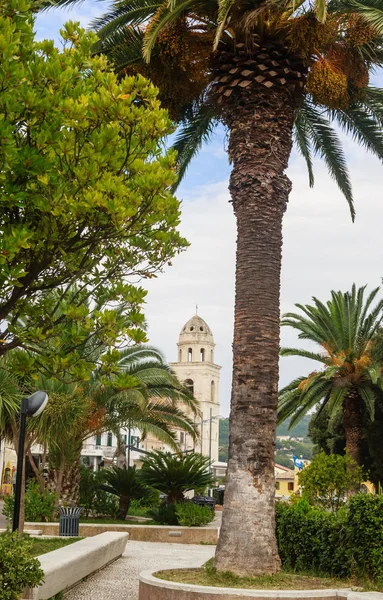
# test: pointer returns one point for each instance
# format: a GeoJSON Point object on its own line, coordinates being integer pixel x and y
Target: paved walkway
{"type": "Point", "coordinates": [119, 581]}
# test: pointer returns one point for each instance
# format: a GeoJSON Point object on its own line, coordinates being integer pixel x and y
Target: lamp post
{"type": "Point", "coordinates": [32, 406]}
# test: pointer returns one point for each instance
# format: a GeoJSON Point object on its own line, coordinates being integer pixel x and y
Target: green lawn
{"type": "Point", "coordinates": [44, 545]}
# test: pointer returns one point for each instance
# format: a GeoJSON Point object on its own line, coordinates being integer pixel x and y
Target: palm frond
{"type": "Point", "coordinates": [166, 16]}
{"type": "Point", "coordinates": [305, 354]}
{"type": "Point", "coordinates": [326, 143]}
{"type": "Point", "coordinates": [124, 13]}
{"type": "Point", "coordinates": [191, 135]}
{"type": "Point", "coordinates": [302, 140]}
{"type": "Point", "coordinates": [362, 127]}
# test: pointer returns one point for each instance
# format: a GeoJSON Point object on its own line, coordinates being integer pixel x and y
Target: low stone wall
{"type": "Point", "coordinates": [65, 567]}
{"type": "Point", "coordinates": [152, 588]}
{"type": "Point", "coordinates": [140, 533]}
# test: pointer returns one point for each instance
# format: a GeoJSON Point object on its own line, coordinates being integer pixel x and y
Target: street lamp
{"type": "Point", "coordinates": [32, 406]}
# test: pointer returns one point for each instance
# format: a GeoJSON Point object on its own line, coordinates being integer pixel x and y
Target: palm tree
{"type": "Point", "coordinates": [274, 72]}
{"type": "Point", "coordinates": [126, 484]}
{"type": "Point", "coordinates": [144, 394]}
{"type": "Point", "coordinates": [351, 379]}
{"type": "Point", "coordinates": [176, 474]}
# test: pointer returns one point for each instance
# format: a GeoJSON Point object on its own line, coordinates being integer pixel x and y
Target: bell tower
{"type": "Point", "coordinates": [196, 369]}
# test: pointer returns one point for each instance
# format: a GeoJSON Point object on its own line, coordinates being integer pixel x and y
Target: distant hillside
{"type": "Point", "coordinates": [300, 430]}
{"type": "Point", "coordinates": [284, 450]}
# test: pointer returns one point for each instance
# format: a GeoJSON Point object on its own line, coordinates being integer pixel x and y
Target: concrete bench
{"type": "Point", "coordinates": [65, 567]}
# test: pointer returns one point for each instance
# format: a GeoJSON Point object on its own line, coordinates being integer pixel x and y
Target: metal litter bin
{"type": "Point", "coordinates": [69, 520]}
{"type": "Point", "coordinates": [204, 501]}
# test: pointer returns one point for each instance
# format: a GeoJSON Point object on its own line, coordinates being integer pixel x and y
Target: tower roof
{"type": "Point", "coordinates": [196, 326]}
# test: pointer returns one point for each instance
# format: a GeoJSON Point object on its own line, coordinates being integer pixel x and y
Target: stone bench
{"type": "Point", "coordinates": [65, 567]}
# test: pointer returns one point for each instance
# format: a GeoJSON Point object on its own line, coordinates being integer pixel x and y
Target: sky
{"type": "Point", "coordinates": [322, 250]}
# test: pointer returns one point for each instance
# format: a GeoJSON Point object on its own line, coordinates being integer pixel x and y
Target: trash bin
{"type": "Point", "coordinates": [69, 520]}
{"type": "Point", "coordinates": [204, 501]}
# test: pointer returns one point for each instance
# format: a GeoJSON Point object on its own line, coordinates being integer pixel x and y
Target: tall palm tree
{"type": "Point", "coordinates": [274, 72]}
{"type": "Point", "coordinates": [351, 380]}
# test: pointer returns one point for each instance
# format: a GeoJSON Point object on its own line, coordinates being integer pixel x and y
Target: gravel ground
{"type": "Point", "coordinates": [119, 581]}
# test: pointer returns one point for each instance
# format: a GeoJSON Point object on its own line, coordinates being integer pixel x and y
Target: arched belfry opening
{"type": "Point", "coordinates": [189, 383]}
{"type": "Point", "coordinates": [190, 355]}
{"type": "Point", "coordinates": [202, 354]}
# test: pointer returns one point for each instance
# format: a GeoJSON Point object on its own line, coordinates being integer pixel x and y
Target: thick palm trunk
{"type": "Point", "coordinates": [260, 126]}
{"type": "Point", "coordinates": [352, 422]}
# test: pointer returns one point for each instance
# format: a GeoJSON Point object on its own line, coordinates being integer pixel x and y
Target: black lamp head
{"type": "Point", "coordinates": [36, 404]}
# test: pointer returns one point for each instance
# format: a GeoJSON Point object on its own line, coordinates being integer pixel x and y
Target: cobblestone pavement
{"type": "Point", "coordinates": [119, 581]}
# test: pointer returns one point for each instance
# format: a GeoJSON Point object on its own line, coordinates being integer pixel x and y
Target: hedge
{"type": "Point", "coordinates": [344, 543]}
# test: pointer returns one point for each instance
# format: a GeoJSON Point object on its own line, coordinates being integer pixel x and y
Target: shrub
{"type": "Point", "coordinates": [343, 543]}
{"type": "Point", "coordinates": [18, 569]}
{"type": "Point", "coordinates": [311, 539]}
{"type": "Point", "coordinates": [39, 506]}
{"type": "Point", "coordinates": [105, 504]}
{"type": "Point", "coordinates": [328, 480]}
{"type": "Point", "coordinates": [365, 533]}
{"type": "Point", "coordinates": [164, 514]}
{"type": "Point", "coordinates": [193, 515]}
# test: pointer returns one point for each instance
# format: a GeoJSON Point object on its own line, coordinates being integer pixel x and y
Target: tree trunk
{"type": "Point", "coordinates": [260, 126]}
{"type": "Point", "coordinates": [352, 422]}
{"type": "Point", "coordinates": [123, 507]}
{"type": "Point", "coordinates": [65, 482]}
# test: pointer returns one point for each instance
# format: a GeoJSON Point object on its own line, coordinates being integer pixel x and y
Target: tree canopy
{"type": "Point", "coordinates": [84, 189]}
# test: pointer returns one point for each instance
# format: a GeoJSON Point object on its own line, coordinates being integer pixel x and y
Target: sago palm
{"type": "Point", "coordinates": [350, 381]}
{"type": "Point", "coordinates": [274, 72]}
{"type": "Point", "coordinates": [126, 484]}
{"type": "Point", "coordinates": [176, 474]}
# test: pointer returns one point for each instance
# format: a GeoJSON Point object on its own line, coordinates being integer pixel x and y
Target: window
{"type": "Point", "coordinates": [212, 391]}
{"type": "Point", "coordinates": [202, 354]}
{"type": "Point", "coordinates": [98, 439]}
{"type": "Point", "coordinates": [189, 383]}
{"type": "Point", "coordinates": [190, 355]}
{"type": "Point", "coordinates": [182, 437]}
{"type": "Point", "coordinates": [290, 486]}
{"type": "Point", "coordinates": [277, 485]}
{"type": "Point", "coordinates": [109, 439]}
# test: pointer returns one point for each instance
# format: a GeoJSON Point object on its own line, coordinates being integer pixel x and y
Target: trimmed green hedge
{"type": "Point", "coordinates": [343, 543]}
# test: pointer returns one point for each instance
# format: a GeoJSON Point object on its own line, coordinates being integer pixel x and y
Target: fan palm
{"type": "Point", "coordinates": [144, 394]}
{"type": "Point", "coordinates": [351, 379]}
{"type": "Point", "coordinates": [274, 72]}
{"type": "Point", "coordinates": [175, 474]}
{"type": "Point", "coordinates": [126, 484]}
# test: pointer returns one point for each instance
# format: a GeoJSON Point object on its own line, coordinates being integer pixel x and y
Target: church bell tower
{"type": "Point", "coordinates": [197, 370]}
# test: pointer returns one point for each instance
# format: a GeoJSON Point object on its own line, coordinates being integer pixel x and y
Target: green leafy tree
{"type": "Point", "coordinates": [273, 72]}
{"type": "Point", "coordinates": [125, 483]}
{"type": "Point", "coordinates": [350, 381]}
{"type": "Point", "coordinates": [175, 474]}
{"type": "Point", "coordinates": [329, 479]}
{"type": "Point", "coordinates": [84, 188]}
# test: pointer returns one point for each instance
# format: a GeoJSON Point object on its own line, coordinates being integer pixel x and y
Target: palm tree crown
{"type": "Point", "coordinates": [204, 54]}
{"type": "Point", "coordinates": [351, 379]}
